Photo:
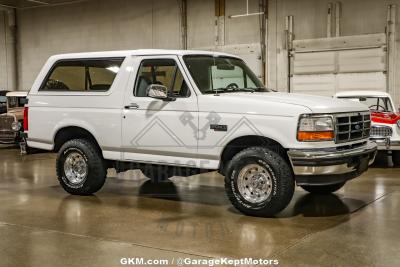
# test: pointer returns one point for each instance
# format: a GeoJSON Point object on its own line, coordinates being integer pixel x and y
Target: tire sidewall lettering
{"type": "Point", "coordinates": [234, 187]}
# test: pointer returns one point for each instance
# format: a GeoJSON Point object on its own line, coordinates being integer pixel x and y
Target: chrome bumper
{"type": "Point", "coordinates": [386, 143]}
{"type": "Point", "coordinates": [328, 162]}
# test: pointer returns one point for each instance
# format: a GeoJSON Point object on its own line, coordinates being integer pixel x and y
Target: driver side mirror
{"type": "Point", "coordinates": [158, 91]}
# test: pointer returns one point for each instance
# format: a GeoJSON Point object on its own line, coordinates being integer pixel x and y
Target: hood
{"type": "Point", "coordinates": [385, 117]}
{"type": "Point", "coordinates": [317, 104]}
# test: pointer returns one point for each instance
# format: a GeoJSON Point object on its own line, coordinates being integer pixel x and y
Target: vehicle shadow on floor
{"type": "Point", "coordinates": [307, 205]}
{"type": "Point", "coordinates": [383, 160]}
{"type": "Point", "coordinates": [8, 146]}
{"type": "Point", "coordinates": [313, 205]}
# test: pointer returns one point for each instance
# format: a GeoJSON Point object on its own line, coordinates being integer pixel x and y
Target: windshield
{"type": "Point", "coordinates": [16, 102]}
{"type": "Point", "coordinates": [382, 104]}
{"type": "Point", "coordinates": [222, 74]}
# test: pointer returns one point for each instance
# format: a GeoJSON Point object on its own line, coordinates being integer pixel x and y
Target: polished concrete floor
{"type": "Point", "coordinates": [41, 225]}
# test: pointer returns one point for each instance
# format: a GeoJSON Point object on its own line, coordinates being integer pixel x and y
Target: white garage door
{"type": "Point", "coordinates": [327, 66]}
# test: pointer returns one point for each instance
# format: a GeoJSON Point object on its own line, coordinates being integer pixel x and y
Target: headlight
{"type": "Point", "coordinates": [16, 126]}
{"type": "Point", "coordinates": [315, 128]}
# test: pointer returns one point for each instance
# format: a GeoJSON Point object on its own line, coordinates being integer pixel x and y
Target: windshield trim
{"type": "Point", "coordinates": [388, 102]}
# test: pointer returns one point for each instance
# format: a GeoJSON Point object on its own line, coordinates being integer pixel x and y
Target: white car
{"type": "Point", "coordinates": [174, 113]}
{"type": "Point", "coordinates": [385, 130]}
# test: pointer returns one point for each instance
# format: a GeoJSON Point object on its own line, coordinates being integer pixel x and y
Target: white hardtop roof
{"type": "Point", "coordinates": [362, 93]}
{"type": "Point", "coordinates": [18, 94]}
{"type": "Point", "coordinates": [139, 52]}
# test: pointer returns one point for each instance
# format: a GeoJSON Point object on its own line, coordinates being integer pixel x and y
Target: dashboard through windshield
{"type": "Point", "coordinates": [382, 104]}
{"type": "Point", "coordinates": [222, 74]}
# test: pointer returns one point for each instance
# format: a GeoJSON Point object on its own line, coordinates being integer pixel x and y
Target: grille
{"type": "Point", "coordinates": [6, 122]}
{"type": "Point", "coordinates": [352, 127]}
{"type": "Point", "coordinates": [381, 131]}
{"type": "Point", "coordinates": [6, 133]}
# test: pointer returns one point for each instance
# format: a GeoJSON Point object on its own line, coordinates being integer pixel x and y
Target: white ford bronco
{"type": "Point", "coordinates": [174, 113]}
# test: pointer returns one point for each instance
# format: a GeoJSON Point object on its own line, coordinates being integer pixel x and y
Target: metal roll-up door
{"type": "Point", "coordinates": [330, 65]}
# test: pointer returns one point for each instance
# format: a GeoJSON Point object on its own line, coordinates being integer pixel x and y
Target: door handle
{"type": "Point", "coordinates": [132, 106]}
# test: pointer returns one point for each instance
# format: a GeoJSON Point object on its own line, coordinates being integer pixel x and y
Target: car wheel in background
{"type": "Point", "coordinates": [396, 158]}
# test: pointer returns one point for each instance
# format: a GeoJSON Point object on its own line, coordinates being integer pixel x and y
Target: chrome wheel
{"type": "Point", "coordinates": [75, 168]}
{"type": "Point", "coordinates": [254, 183]}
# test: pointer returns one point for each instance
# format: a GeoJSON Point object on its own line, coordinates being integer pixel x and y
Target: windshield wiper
{"type": "Point", "coordinates": [231, 90]}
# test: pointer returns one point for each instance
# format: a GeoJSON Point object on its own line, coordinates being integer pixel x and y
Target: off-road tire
{"type": "Point", "coordinates": [282, 181]}
{"type": "Point", "coordinates": [97, 171]}
{"type": "Point", "coordinates": [323, 189]}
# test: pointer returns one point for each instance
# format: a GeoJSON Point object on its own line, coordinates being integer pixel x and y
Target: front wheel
{"type": "Point", "coordinates": [80, 167]}
{"type": "Point", "coordinates": [259, 182]}
{"type": "Point", "coordinates": [323, 189]}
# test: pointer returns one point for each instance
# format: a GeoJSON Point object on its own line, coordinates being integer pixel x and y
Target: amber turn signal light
{"type": "Point", "coordinates": [315, 136]}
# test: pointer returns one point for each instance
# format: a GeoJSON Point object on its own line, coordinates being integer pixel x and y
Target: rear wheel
{"type": "Point", "coordinates": [396, 158]}
{"type": "Point", "coordinates": [80, 167]}
{"type": "Point", "coordinates": [259, 182]}
{"type": "Point", "coordinates": [323, 189]}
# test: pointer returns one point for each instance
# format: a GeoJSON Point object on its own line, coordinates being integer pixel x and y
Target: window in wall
{"type": "Point", "coordinates": [163, 72]}
{"type": "Point", "coordinates": [83, 75]}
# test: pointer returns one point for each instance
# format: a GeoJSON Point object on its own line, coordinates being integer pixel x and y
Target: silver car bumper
{"type": "Point", "coordinates": [331, 165]}
{"type": "Point", "coordinates": [386, 143]}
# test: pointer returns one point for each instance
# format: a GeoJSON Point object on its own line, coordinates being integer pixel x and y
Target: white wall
{"type": "Point", "coordinates": [121, 24]}
{"type": "Point", "coordinates": [3, 54]}
{"type": "Point", "coordinates": [310, 21]}
{"type": "Point", "coordinates": [93, 26]}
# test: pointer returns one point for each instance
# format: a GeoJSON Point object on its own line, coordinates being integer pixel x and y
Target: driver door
{"type": "Point", "coordinates": [156, 130]}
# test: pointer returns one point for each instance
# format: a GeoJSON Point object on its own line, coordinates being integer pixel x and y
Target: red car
{"type": "Point", "coordinates": [385, 126]}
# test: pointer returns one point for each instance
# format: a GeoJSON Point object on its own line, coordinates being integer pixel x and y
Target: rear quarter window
{"type": "Point", "coordinates": [82, 75]}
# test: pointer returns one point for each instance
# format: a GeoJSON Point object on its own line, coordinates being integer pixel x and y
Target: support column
{"type": "Point", "coordinates": [11, 48]}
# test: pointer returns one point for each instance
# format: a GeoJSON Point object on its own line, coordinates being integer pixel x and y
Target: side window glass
{"type": "Point", "coordinates": [66, 78]}
{"type": "Point", "coordinates": [82, 75]}
{"type": "Point", "coordinates": [163, 72]}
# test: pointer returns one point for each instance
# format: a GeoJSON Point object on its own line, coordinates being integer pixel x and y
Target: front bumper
{"type": "Point", "coordinates": [386, 143]}
{"type": "Point", "coordinates": [331, 166]}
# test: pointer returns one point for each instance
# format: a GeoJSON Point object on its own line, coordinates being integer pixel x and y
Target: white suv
{"type": "Point", "coordinates": [174, 113]}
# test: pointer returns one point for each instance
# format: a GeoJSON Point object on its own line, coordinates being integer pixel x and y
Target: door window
{"type": "Point", "coordinates": [162, 72]}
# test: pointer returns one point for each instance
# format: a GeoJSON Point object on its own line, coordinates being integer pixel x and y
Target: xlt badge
{"type": "Point", "coordinates": [219, 127]}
